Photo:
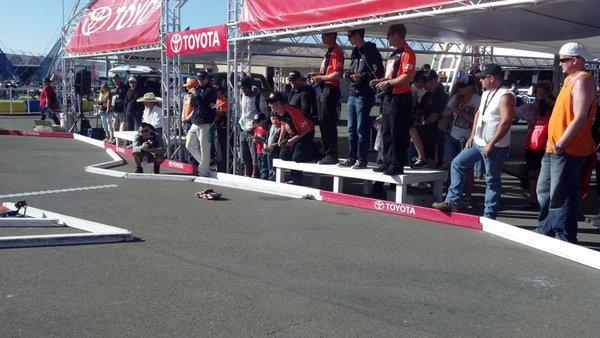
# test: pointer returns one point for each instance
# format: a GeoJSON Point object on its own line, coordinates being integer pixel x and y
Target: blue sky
{"type": "Point", "coordinates": [34, 25]}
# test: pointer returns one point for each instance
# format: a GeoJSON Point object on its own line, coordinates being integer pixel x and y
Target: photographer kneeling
{"type": "Point", "coordinates": [148, 143]}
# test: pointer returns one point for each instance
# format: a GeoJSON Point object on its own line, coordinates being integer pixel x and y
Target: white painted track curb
{"type": "Point", "coordinates": [263, 186]}
{"type": "Point", "coordinates": [92, 232]}
{"type": "Point", "coordinates": [547, 244]}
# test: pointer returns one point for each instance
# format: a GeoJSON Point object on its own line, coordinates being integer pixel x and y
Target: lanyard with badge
{"type": "Point", "coordinates": [488, 100]}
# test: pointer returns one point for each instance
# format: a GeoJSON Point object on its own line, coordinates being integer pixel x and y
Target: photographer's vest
{"type": "Point", "coordinates": [562, 115]}
{"type": "Point", "coordinates": [400, 62]}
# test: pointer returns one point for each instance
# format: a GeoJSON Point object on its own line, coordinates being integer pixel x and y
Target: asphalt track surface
{"type": "Point", "coordinates": [260, 265]}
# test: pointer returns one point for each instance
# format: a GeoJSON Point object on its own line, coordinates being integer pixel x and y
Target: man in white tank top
{"type": "Point", "coordinates": [490, 140]}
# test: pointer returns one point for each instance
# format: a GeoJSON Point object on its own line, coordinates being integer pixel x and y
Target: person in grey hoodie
{"type": "Point", "coordinates": [365, 65]}
{"type": "Point", "coordinates": [252, 103]}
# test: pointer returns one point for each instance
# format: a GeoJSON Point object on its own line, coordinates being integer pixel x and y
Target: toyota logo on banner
{"type": "Point", "coordinates": [176, 43]}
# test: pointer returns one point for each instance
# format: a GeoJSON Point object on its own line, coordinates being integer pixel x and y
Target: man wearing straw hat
{"type": "Point", "coordinates": [152, 113]}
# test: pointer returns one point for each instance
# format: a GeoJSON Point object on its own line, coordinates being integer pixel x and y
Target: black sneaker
{"type": "Point", "coordinates": [444, 206]}
{"type": "Point", "coordinates": [157, 169]}
{"type": "Point", "coordinates": [347, 163]}
{"type": "Point", "coordinates": [359, 165]}
{"type": "Point", "coordinates": [139, 170]}
{"type": "Point", "coordinates": [328, 160]}
{"type": "Point", "coordinates": [381, 168]}
{"type": "Point", "coordinates": [394, 171]}
{"type": "Point", "coordinates": [418, 163]}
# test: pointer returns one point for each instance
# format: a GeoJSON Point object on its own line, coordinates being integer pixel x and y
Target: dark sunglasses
{"type": "Point", "coordinates": [570, 58]}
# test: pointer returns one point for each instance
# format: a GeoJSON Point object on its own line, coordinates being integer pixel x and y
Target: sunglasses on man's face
{"type": "Point", "coordinates": [564, 60]}
{"type": "Point", "coordinates": [144, 131]}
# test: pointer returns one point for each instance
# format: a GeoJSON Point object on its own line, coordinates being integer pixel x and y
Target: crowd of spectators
{"type": "Point", "coordinates": [419, 125]}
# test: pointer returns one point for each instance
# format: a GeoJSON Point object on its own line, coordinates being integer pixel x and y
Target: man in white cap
{"type": "Point", "coordinates": [133, 108]}
{"type": "Point", "coordinates": [569, 145]}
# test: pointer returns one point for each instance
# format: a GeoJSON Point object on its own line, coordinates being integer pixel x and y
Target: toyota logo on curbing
{"type": "Point", "coordinates": [379, 205]}
{"type": "Point", "coordinates": [176, 43]}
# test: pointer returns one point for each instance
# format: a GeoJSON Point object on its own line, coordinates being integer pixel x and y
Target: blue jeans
{"type": "Point", "coordinates": [359, 109]}
{"type": "Point", "coordinates": [134, 121]}
{"type": "Point", "coordinates": [263, 165]}
{"type": "Point", "coordinates": [557, 193]}
{"type": "Point", "coordinates": [493, 171]}
{"type": "Point", "coordinates": [452, 148]}
{"type": "Point", "coordinates": [45, 112]}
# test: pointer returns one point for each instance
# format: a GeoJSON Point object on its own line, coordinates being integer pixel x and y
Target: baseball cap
{"type": "Point", "coordinates": [491, 69]}
{"type": "Point", "coordinates": [258, 117]}
{"type": "Point", "coordinates": [132, 79]}
{"type": "Point", "coordinates": [275, 97]}
{"type": "Point", "coordinates": [202, 75]}
{"type": "Point", "coordinates": [294, 75]}
{"type": "Point", "coordinates": [575, 49]}
{"type": "Point", "coordinates": [245, 81]}
{"type": "Point", "coordinates": [191, 82]}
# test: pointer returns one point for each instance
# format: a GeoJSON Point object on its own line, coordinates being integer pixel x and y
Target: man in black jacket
{"type": "Point", "coordinates": [203, 102]}
{"type": "Point", "coordinates": [365, 65]}
{"type": "Point", "coordinates": [133, 108]}
{"type": "Point", "coordinates": [303, 96]}
{"type": "Point", "coordinates": [118, 104]}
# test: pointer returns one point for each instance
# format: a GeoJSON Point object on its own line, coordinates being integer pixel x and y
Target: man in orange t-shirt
{"type": "Point", "coordinates": [569, 145]}
{"type": "Point", "coordinates": [397, 103]}
{"type": "Point", "coordinates": [328, 78]}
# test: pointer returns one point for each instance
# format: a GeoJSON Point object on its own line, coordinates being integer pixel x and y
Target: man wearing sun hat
{"type": "Point", "coordinates": [152, 113]}
{"type": "Point", "coordinates": [569, 146]}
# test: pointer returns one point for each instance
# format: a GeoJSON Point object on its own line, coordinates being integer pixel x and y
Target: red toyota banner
{"type": "Point", "coordinates": [268, 14]}
{"type": "Point", "coordinates": [116, 24]}
{"type": "Point", "coordinates": [197, 41]}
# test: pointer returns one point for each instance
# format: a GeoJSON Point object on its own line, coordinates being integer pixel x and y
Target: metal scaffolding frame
{"type": "Point", "coordinates": [170, 68]}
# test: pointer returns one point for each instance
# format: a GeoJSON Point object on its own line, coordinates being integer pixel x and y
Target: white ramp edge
{"type": "Point", "coordinates": [103, 168]}
{"type": "Point", "coordinates": [92, 232]}
{"type": "Point", "coordinates": [88, 140]}
{"type": "Point", "coordinates": [263, 186]}
{"type": "Point", "coordinates": [547, 244]}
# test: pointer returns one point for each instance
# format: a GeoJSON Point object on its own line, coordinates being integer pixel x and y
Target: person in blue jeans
{"type": "Point", "coordinates": [489, 140]}
{"type": "Point", "coordinates": [365, 65]}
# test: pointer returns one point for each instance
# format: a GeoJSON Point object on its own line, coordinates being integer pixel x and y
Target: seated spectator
{"type": "Point", "coordinates": [148, 144]}
{"type": "Point", "coordinates": [272, 147]}
{"type": "Point", "coordinates": [152, 113]}
{"type": "Point", "coordinates": [538, 115]}
{"type": "Point", "coordinates": [418, 90]}
{"type": "Point", "coordinates": [297, 133]}
{"type": "Point", "coordinates": [260, 137]}
{"type": "Point", "coordinates": [430, 108]}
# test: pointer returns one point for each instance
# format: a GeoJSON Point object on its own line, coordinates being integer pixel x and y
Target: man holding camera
{"type": "Point", "coordinates": [365, 65]}
{"type": "Point", "coordinates": [397, 102]}
{"type": "Point", "coordinates": [328, 78]}
{"type": "Point", "coordinates": [148, 143]}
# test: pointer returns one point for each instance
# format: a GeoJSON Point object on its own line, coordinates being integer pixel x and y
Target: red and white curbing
{"type": "Point", "coordinates": [569, 251]}
{"type": "Point", "coordinates": [407, 210]}
{"type": "Point", "coordinates": [51, 134]}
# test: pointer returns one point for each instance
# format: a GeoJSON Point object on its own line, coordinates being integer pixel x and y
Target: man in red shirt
{"type": "Point", "coordinates": [396, 105]}
{"type": "Point", "coordinates": [328, 78]}
{"type": "Point", "coordinates": [48, 102]}
{"type": "Point", "coordinates": [297, 133]}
